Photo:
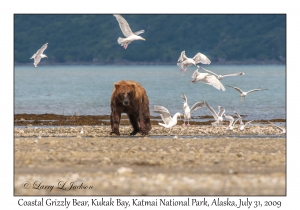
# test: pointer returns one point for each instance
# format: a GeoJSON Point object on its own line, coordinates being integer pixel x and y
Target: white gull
{"type": "Point", "coordinates": [231, 121]}
{"type": "Point", "coordinates": [243, 94]}
{"type": "Point", "coordinates": [184, 62]}
{"type": "Point", "coordinates": [218, 117]}
{"type": "Point", "coordinates": [282, 130]}
{"type": "Point", "coordinates": [207, 79]}
{"type": "Point", "coordinates": [39, 55]}
{"type": "Point", "coordinates": [242, 126]}
{"type": "Point", "coordinates": [188, 110]}
{"type": "Point", "coordinates": [126, 30]}
{"type": "Point", "coordinates": [169, 122]}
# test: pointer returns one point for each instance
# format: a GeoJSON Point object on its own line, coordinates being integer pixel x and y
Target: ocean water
{"type": "Point", "coordinates": [86, 90]}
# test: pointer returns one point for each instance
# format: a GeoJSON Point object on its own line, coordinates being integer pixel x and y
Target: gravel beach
{"type": "Point", "coordinates": [194, 160]}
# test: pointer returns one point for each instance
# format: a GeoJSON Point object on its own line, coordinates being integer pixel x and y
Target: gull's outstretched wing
{"type": "Point", "coordinates": [139, 32]}
{"type": "Point", "coordinates": [182, 57]}
{"type": "Point", "coordinates": [221, 111]}
{"type": "Point", "coordinates": [212, 80]}
{"type": "Point", "coordinates": [42, 49]}
{"type": "Point", "coordinates": [164, 113]}
{"type": "Point", "coordinates": [236, 88]}
{"type": "Point", "coordinates": [195, 74]}
{"type": "Point", "coordinates": [239, 119]}
{"type": "Point", "coordinates": [237, 114]}
{"type": "Point", "coordinates": [34, 55]}
{"type": "Point", "coordinates": [208, 71]}
{"type": "Point", "coordinates": [235, 74]}
{"type": "Point", "coordinates": [125, 28]}
{"type": "Point", "coordinates": [201, 58]}
{"type": "Point", "coordinates": [37, 59]}
{"type": "Point", "coordinates": [184, 97]}
{"type": "Point", "coordinates": [276, 126]}
{"type": "Point", "coordinates": [255, 90]}
{"type": "Point", "coordinates": [198, 105]}
{"type": "Point", "coordinates": [160, 109]}
{"type": "Point", "coordinates": [214, 114]}
{"type": "Point", "coordinates": [230, 118]}
{"type": "Point", "coordinates": [248, 122]}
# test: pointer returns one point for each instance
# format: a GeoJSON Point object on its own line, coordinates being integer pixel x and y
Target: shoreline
{"type": "Point", "coordinates": [94, 120]}
{"type": "Point", "coordinates": [131, 63]}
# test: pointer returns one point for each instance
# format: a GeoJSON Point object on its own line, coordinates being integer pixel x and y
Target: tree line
{"type": "Point", "coordinates": [92, 38]}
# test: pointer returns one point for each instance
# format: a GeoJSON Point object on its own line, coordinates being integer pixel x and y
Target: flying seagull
{"type": "Point", "coordinates": [184, 62]}
{"type": "Point", "coordinates": [130, 36]}
{"type": "Point", "coordinates": [231, 121]}
{"type": "Point", "coordinates": [208, 79]}
{"type": "Point", "coordinates": [169, 122]}
{"type": "Point", "coordinates": [39, 55]}
{"type": "Point", "coordinates": [283, 131]}
{"type": "Point", "coordinates": [243, 94]}
{"type": "Point", "coordinates": [219, 76]}
{"type": "Point", "coordinates": [239, 117]}
{"type": "Point", "coordinates": [218, 117]}
{"type": "Point", "coordinates": [187, 110]}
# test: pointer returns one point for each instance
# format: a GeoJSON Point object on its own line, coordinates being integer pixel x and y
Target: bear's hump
{"type": "Point", "coordinates": [129, 85]}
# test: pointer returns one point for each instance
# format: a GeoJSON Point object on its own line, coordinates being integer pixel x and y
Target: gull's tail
{"type": "Point", "coordinates": [215, 123]}
{"type": "Point", "coordinates": [164, 125]}
{"type": "Point", "coordinates": [222, 87]}
{"type": "Point", "coordinates": [120, 40]}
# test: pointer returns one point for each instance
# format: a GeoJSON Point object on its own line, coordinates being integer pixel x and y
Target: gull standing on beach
{"type": "Point", "coordinates": [130, 36]}
{"type": "Point", "coordinates": [282, 130]}
{"type": "Point", "coordinates": [219, 76]}
{"type": "Point", "coordinates": [169, 122]}
{"type": "Point", "coordinates": [39, 55]}
{"type": "Point", "coordinates": [231, 121]}
{"type": "Point", "coordinates": [218, 117]}
{"type": "Point", "coordinates": [187, 110]}
{"type": "Point", "coordinates": [242, 126]}
{"type": "Point", "coordinates": [243, 94]}
{"type": "Point", "coordinates": [207, 79]}
{"type": "Point", "coordinates": [184, 62]}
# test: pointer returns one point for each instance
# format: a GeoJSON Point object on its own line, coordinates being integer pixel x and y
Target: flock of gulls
{"type": "Point", "coordinates": [209, 78]}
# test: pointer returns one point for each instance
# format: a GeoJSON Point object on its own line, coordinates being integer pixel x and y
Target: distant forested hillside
{"type": "Point", "coordinates": [93, 38]}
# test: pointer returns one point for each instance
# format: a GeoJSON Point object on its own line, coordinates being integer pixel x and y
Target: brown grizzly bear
{"type": "Point", "coordinates": [130, 97]}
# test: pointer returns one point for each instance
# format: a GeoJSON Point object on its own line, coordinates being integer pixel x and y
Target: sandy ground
{"type": "Point", "coordinates": [61, 161]}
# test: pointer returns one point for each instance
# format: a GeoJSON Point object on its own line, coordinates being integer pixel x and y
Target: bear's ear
{"type": "Point", "coordinates": [117, 86]}
{"type": "Point", "coordinates": [133, 86]}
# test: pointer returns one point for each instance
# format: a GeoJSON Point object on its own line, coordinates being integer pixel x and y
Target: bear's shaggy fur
{"type": "Point", "coordinates": [130, 97]}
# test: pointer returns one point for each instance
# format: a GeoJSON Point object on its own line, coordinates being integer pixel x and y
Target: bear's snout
{"type": "Point", "coordinates": [126, 102]}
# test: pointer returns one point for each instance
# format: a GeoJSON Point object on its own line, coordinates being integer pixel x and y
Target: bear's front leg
{"type": "Point", "coordinates": [115, 122]}
{"type": "Point", "coordinates": [144, 124]}
{"type": "Point", "coordinates": [144, 119]}
{"type": "Point", "coordinates": [134, 122]}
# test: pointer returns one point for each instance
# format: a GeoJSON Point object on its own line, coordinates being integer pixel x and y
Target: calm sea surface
{"type": "Point", "coordinates": [86, 90]}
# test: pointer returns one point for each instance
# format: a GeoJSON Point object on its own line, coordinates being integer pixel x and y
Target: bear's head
{"type": "Point", "coordinates": [125, 93]}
